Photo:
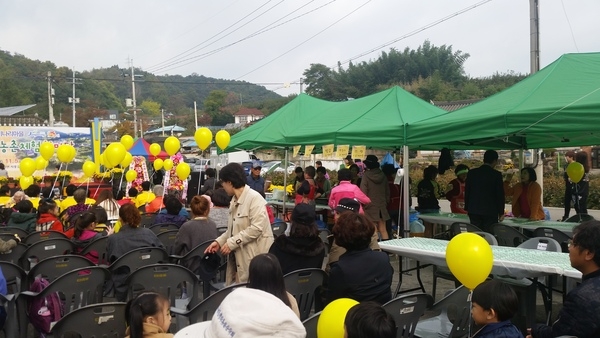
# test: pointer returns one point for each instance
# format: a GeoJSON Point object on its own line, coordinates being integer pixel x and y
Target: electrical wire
{"type": "Point", "coordinates": [569, 22]}
{"type": "Point", "coordinates": [305, 41]}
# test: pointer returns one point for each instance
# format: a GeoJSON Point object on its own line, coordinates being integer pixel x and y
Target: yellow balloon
{"type": "Point", "coordinates": [331, 320]}
{"type": "Point", "coordinates": [89, 168]}
{"type": "Point", "coordinates": [73, 153]}
{"type": "Point", "coordinates": [115, 153]}
{"type": "Point", "coordinates": [47, 150]}
{"type": "Point", "coordinates": [158, 164]}
{"type": "Point", "coordinates": [105, 161]}
{"type": "Point", "coordinates": [64, 153]}
{"type": "Point", "coordinates": [222, 138]}
{"type": "Point", "coordinates": [183, 170]}
{"type": "Point", "coordinates": [172, 145]}
{"type": "Point", "coordinates": [25, 182]}
{"type": "Point", "coordinates": [130, 175]}
{"type": "Point", "coordinates": [575, 171]}
{"type": "Point", "coordinates": [127, 141]}
{"type": "Point", "coordinates": [469, 258]}
{"type": "Point", "coordinates": [203, 137]}
{"type": "Point", "coordinates": [27, 166]}
{"type": "Point", "coordinates": [127, 160]}
{"type": "Point", "coordinates": [168, 164]}
{"type": "Point", "coordinates": [40, 163]}
{"type": "Point", "coordinates": [155, 149]}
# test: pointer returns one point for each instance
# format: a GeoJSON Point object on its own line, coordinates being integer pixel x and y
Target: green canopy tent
{"type": "Point", "coordinates": [559, 106]}
{"type": "Point", "coordinates": [377, 121]}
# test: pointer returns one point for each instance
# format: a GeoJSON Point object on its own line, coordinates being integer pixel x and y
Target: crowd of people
{"type": "Point", "coordinates": [231, 211]}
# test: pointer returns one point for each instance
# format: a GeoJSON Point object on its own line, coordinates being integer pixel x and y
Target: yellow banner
{"type": "Point", "coordinates": [342, 150]}
{"type": "Point", "coordinates": [308, 150]}
{"type": "Point", "coordinates": [296, 150]}
{"type": "Point", "coordinates": [327, 150]}
{"type": "Point", "coordinates": [359, 152]}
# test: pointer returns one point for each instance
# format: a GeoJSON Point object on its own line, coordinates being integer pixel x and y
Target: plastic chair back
{"type": "Point", "coordinates": [56, 266]}
{"type": "Point", "coordinates": [14, 255]}
{"type": "Point", "coordinates": [556, 234]}
{"type": "Point", "coordinates": [14, 231]}
{"type": "Point", "coordinates": [15, 283]}
{"type": "Point", "coordinates": [162, 227]}
{"type": "Point", "coordinates": [303, 285]}
{"type": "Point", "coordinates": [44, 249]}
{"type": "Point", "coordinates": [97, 320]}
{"type": "Point", "coordinates": [507, 235]}
{"type": "Point", "coordinates": [406, 311]}
{"type": "Point", "coordinates": [541, 243]}
{"type": "Point", "coordinates": [37, 236]}
{"type": "Point", "coordinates": [460, 227]}
{"type": "Point", "coordinates": [451, 317]}
{"type": "Point", "coordinates": [310, 324]}
{"type": "Point", "coordinates": [278, 228]}
{"type": "Point", "coordinates": [165, 279]}
{"type": "Point", "coordinates": [140, 257]}
{"type": "Point", "coordinates": [98, 246]}
{"type": "Point", "coordinates": [488, 237]}
{"type": "Point", "coordinates": [167, 238]}
{"type": "Point", "coordinates": [579, 218]}
{"type": "Point", "coordinates": [148, 220]}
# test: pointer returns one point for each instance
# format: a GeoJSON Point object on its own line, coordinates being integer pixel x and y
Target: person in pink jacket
{"type": "Point", "coordinates": [345, 189]}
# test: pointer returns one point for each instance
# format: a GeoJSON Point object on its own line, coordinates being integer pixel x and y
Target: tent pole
{"type": "Point", "coordinates": [405, 192]}
{"type": "Point", "coordinates": [285, 165]}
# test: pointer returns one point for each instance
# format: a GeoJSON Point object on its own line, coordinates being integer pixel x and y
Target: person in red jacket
{"type": "Point", "coordinates": [48, 217]}
{"type": "Point", "coordinates": [456, 195]}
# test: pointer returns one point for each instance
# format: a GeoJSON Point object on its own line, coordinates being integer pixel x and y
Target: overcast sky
{"type": "Point", "coordinates": [273, 42]}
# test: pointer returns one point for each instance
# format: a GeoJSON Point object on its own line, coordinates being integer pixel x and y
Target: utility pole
{"type": "Point", "coordinates": [74, 99]}
{"type": "Point", "coordinates": [162, 119]}
{"type": "Point", "coordinates": [133, 98]}
{"type": "Point", "coordinates": [50, 101]}
{"type": "Point", "coordinates": [534, 42]}
{"type": "Point", "coordinates": [195, 116]}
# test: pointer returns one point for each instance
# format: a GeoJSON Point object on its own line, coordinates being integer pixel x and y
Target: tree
{"type": "Point", "coordinates": [150, 108]}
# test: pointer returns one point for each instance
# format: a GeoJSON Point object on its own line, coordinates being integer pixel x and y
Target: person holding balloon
{"type": "Point", "coordinates": [248, 231]}
{"type": "Point", "coordinates": [526, 196]}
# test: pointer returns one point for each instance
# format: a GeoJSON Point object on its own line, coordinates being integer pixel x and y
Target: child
{"type": "Point", "coordinates": [48, 216]}
{"type": "Point", "coordinates": [456, 195]}
{"type": "Point", "coordinates": [369, 319]}
{"type": "Point", "coordinates": [85, 234]}
{"type": "Point", "coordinates": [493, 305]}
{"type": "Point", "coordinates": [148, 316]}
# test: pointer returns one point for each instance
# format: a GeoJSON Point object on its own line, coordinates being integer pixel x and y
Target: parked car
{"type": "Point", "coordinates": [201, 165]}
{"type": "Point", "coordinates": [276, 166]}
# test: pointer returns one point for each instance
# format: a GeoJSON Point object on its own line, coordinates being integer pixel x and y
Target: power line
{"type": "Point", "coordinates": [305, 41]}
{"type": "Point", "coordinates": [189, 51]}
{"type": "Point", "coordinates": [261, 31]}
{"type": "Point", "coordinates": [570, 28]}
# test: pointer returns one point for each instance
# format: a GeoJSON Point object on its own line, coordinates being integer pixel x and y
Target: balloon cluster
{"type": "Point", "coordinates": [203, 137]}
{"type": "Point", "coordinates": [117, 153]}
{"type": "Point", "coordinates": [65, 153]}
{"type": "Point", "coordinates": [172, 146]}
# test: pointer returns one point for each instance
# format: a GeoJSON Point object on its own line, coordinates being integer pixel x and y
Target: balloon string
{"type": "Point", "coordinates": [469, 323]}
{"type": "Point", "coordinates": [57, 174]}
{"type": "Point", "coordinates": [64, 177]}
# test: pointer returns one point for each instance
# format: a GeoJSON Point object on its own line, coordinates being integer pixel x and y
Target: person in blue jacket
{"type": "Point", "coordinates": [493, 305]}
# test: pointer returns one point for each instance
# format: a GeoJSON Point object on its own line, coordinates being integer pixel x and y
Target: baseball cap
{"type": "Point", "coordinates": [304, 214]}
{"type": "Point", "coordinates": [256, 165]}
{"type": "Point", "coordinates": [347, 204]}
{"type": "Point", "coordinates": [249, 313]}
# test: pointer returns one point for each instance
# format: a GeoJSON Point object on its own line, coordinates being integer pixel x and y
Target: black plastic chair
{"type": "Point", "coordinates": [406, 311]}
{"type": "Point", "coordinates": [37, 236]}
{"type": "Point", "coordinates": [44, 249]}
{"type": "Point", "coordinates": [310, 324]}
{"type": "Point", "coordinates": [167, 238]}
{"type": "Point", "coordinates": [14, 255]}
{"type": "Point", "coordinates": [191, 260]}
{"type": "Point", "coordinates": [278, 228]}
{"type": "Point", "coordinates": [204, 310]}
{"type": "Point", "coordinates": [579, 218]}
{"type": "Point", "coordinates": [148, 219]}
{"type": "Point", "coordinates": [98, 246]}
{"type": "Point", "coordinates": [162, 227]}
{"type": "Point", "coordinates": [77, 288]}
{"type": "Point", "coordinates": [14, 230]}
{"type": "Point", "coordinates": [460, 227]}
{"type": "Point", "coordinates": [450, 318]}
{"type": "Point", "coordinates": [304, 284]}
{"type": "Point", "coordinates": [165, 279]}
{"type": "Point", "coordinates": [16, 282]}
{"type": "Point", "coordinates": [221, 230]}
{"type": "Point", "coordinates": [558, 235]}
{"type": "Point", "coordinates": [507, 235]}
{"type": "Point", "coordinates": [56, 266]}
{"type": "Point", "coordinates": [97, 320]}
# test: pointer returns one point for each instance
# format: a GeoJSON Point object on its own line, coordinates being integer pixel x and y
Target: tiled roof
{"type": "Point", "coordinates": [249, 111]}
{"type": "Point", "coordinates": [454, 105]}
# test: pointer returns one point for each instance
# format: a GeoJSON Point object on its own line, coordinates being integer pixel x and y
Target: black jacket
{"type": "Point", "coordinates": [484, 192]}
{"type": "Point", "coordinates": [361, 275]}
{"type": "Point", "coordinates": [295, 253]}
{"type": "Point", "coordinates": [580, 314]}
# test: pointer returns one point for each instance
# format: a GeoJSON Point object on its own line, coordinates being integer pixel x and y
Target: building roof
{"type": "Point", "coordinates": [8, 111]}
{"type": "Point", "coordinates": [454, 105]}
{"type": "Point", "coordinates": [249, 111]}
